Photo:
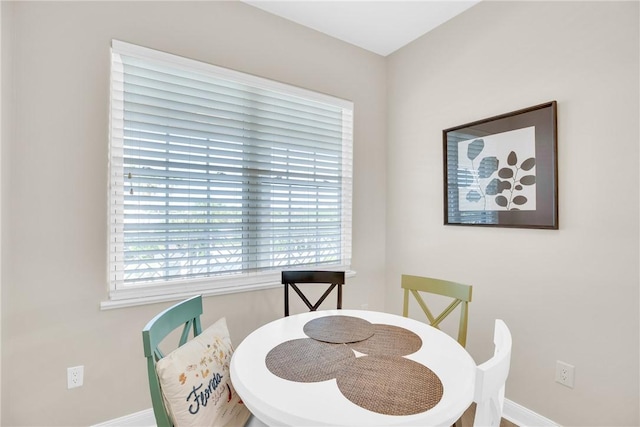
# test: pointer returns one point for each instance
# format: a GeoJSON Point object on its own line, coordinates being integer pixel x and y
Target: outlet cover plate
{"type": "Point", "coordinates": [75, 376]}
{"type": "Point", "coordinates": [565, 374]}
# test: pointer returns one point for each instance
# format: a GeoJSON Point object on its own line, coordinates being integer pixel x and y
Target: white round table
{"type": "Point", "coordinates": [280, 402]}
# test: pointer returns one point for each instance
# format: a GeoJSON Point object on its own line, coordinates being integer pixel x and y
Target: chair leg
{"type": "Point", "coordinates": [286, 299]}
{"type": "Point", "coordinates": [339, 295]}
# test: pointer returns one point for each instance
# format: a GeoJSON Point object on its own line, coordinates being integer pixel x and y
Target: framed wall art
{"type": "Point", "coordinates": [503, 171]}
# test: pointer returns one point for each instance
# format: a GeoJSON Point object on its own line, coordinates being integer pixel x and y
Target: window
{"type": "Point", "coordinates": [218, 179]}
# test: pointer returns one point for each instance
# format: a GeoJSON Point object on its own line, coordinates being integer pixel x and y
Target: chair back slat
{"type": "Point", "coordinates": [437, 286]}
{"type": "Point", "coordinates": [460, 293]}
{"type": "Point", "coordinates": [446, 312]}
{"type": "Point", "coordinates": [313, 276]}
{"type": "Point", "coordinates": [422, 305]}
{"type": "Point", "coordinates": [189, 326]}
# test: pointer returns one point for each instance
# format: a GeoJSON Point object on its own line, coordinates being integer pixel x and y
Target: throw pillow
{"type": "Point", "coordinates": [196, 384]}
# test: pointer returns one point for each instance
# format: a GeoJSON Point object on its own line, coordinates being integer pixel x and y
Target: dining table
{"type": "Point", "coordinates": [352, 368]}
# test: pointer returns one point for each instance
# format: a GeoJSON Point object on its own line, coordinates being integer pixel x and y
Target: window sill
{"type": "Point", "coordinates": [154, 294]}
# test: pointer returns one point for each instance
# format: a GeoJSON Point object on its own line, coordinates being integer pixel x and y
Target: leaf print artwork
{"type": "Point", "coordinates": [474, 149]}
{"type": "Point", "coordinates": [513, 171]}
{"type": "Point", "coordinates": [497, 172]}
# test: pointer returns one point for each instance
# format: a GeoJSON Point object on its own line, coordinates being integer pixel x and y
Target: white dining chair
{"type": "Point", "coordinates": [491, 377]}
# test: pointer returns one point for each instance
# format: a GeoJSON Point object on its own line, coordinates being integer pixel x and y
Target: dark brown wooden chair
{"type": "Point", "coordinates": [294, 278]}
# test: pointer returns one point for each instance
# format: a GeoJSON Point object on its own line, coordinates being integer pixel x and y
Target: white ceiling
{"type": "Point", "coordinates": [381, 27]}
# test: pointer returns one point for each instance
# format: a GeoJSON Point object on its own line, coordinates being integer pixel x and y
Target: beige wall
{"type": "Point", "coordinates": [54, 188]}
{"type": "Point", "coordinates": [1, 139]}
{"type": "Point", "coordinates": [570, 294]}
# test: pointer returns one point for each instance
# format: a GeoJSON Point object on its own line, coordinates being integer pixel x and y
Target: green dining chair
{"type": "Point", "coordinates": [460, 293]}
{"type": "Point", "coordinates": [186, 314]}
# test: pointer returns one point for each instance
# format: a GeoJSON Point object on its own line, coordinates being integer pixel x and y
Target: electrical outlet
{"type": "Point", "coordinates": [565, 373]}
{"type": "Point", "coordinates": [75, 376]}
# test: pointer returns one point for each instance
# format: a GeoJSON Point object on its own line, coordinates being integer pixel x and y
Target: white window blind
{"type": "Point", "coordinates": [215, 173]}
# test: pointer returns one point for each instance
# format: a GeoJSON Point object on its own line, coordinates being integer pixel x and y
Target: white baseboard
{"type": "Point", "coordinates": [517, 414]}
{"type": "Point", "coordinates": [139, 419]}
{"type": "Point", "coordinates": [524, 417]}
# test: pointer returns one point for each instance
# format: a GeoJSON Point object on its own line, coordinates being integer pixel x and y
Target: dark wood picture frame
{"type": "Point", "coordinates": [503, 171]}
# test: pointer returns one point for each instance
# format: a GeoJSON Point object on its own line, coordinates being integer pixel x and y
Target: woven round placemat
{"type": "Point", "coordinates": [338, 329]}
{"type": "Point", "coordinates": [389, 340]}
{"type": "Point", "coordinates": [390, 385]}
{"type": "Point", "coordinates": [307, 360]}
